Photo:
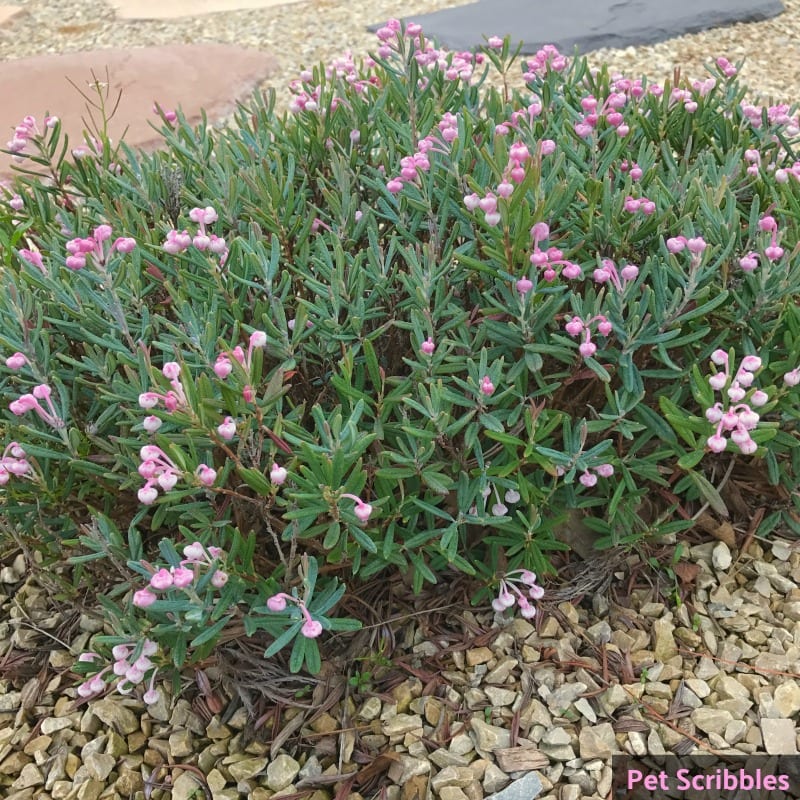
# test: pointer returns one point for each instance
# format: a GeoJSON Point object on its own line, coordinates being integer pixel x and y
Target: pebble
{"type": "Point", "coordinates": [597, 741]}
{"type": "Point", "coordinates": [452, 776]}
{"type": "Point", "coordinates": [721, 557]}
{"type": "Point", "coordinates": [489, 737]}
{"type": "Point", "coordinates": [526, 788]}
{"type": "Point", "coordinates": [281, 771]}
{"type": "Point", "coordinates": [780, 736]}
{"type": "Point", "coordinates": [711, 720]}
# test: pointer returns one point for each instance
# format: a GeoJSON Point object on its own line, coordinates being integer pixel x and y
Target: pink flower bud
{"type": "Point", "coordinates": [276, 603]}
{"type": "Point", "coordinates": [604, 327]}
{"type": "Point", "coordinates": [505, 189]}
{"type": "Point", "coordinates": [311, 629]}
{"type": "Point", "coordinates": [227, 429]}
{"type": "Point", "coordinates": [736, 393]}
{"type": "Point", "coordinates": [718, 381]}
{"type": "Point", "coordinates": [277, 475]}
{"type": "Point", "coordinates": [161, 579]}
{"type": "Point", "coordinates": [248, 394]}
{"type": "Point", "coordinates": [258, 339]}
{"type": "Point", "coordinates": [499, 510]}
{"type": "Point", "coordinates": [792, 378]}
{"type": "Point", "coordinates": [716, 443]}
{"type": "Point", "coordinates": [587, 349]}
{"type": "Point", "coordinates": [512, 496]}
{"type": "Point", "coordinates": [222, 366]}
{"type": "Point", "coordinates": [487, 387]}
{"type": "Point", "coordinates": [394, 186]}
{"type": "Point", "coordinates": [363, 511]}
{"type": "Point", "coordinates": [488, 204]}
{"type": "Point", "coordinates": [148, 400]}
{"type": "Point", "coordinates": [17, 361]}
{"type": "Point", "coordinates": [171, 370]}
{"type": "Point", "coordinates": [495, 42]}
{"type": "Point", "coordinates": [206, 475]}
{"type": "Point", "coordinates": [194, 551]}
{"type": "Point", "coordinates": [427, 347]}
{"type": "Point", "coordinates": [120, 651]}
{"type": "Point", "coordinates": [182, 577]}
{"type": "Point", "coordinates": [144, 598]}
{"type": "Point", "coordinates": [588, 479]}
{"type": "Point", "coordinates": [751, 363]}
{"type": "Point", "coordinates": [524, 285]}
{"type": "Point", "coordinates": [219, 579]}
{"type": "Point", "coordinates": [151, 696]}
{"type": "Point", "coordinates": [676, 244]}
{"type": "Point", "coordinates": [605, 470]}
{"type": "Point", "coordinates": [151, 423]}
{"type": "Point", "coordinates": [773, 252]}
{"type": "Point", "coordinates": [540, 231]}
{"type": "Point", "coordinates": [147, 495]}
{"type": "Point", "coordinates": [471, 201]}
{"type": "Point", "coordinates": [167, 480]}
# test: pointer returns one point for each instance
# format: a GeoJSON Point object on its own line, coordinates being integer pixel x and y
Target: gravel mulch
{"type": "Point", "coordinates": [705, 658]}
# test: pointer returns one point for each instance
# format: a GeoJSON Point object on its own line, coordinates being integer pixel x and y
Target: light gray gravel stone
{"type": "Point", "coordinates": [526, 788]}
{"type": "Point", "coordinates": [281, 771]}
{"type": "Point", "coordinates": [780, 736]}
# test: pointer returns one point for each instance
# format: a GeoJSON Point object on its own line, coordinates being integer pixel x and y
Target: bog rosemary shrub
{"type": "Point", "coordinates": [406, 329]}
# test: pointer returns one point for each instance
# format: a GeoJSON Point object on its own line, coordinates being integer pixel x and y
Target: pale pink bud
{"type": "Point", "coordinates": [258, 339]}
{"type": "Point", "coordinates": [276, 603]}
{"type": "Point", "coordinates": [471, 201]}
{"type": "Point", "coordinates": [605, 327]}
{"type": "Point", "coordinates": [182, 577]}
{"type": "Point", "coordinates": [588, 479]}
{"type": "Point", "coordinates": [144, 598]}
{"type": "Point", "coordinates": [499, 510]}
{"type": "Point", "coordinates": [749, 419]}
{"type": "Point", "coordinates": [587, 349]}
{"type": "Point", "coordinates": [248, 394]}
{"type": "Point", "coordinates": [171, 370]}
{"type": "Point", "coordinates": [718, 381]}
{"type": "Point", "coordinates": [311, 629]}
{"type": "Point", "coordinates": [605, 470]}
{"type": "Point", "coordinates": [148, 400]}
{"type": "Point", "coordinates": [363, 511]}
{"type": "Point", "coordinates": [540, 231]}
{"type": "Point", "coordinates": [277, 475]}
{"type": "Point", "coordinates": [147, 495]}
{"type": "Point", "coordinates": [748, 447]}
{"type": "Point", "coordinates": [222, 366]}
{"type": "Point", "coordinates": [676, 244]}
{"type": "Point", "coordinates": [629, 272]}
{"type": "Point", "coordinates": [219, 579]}
{"type": "Point", "coordinates": [505, 189]}
{"type": "Point", "coordinates": [487, 387]}
{"type": "Point", "coordinates": [716, 443]}
{"type": "Point", "coordinates": [751, 363]}
{"type": "Point", "coordinates": [120, 651]}
{"type": "Point", "coordinates": [206, 475]}
{"type": "Point", "coordinates": [161, 579]}
{"type": "Point", "coordinates": [719, 357]}
{"type": "Point", "coordinates": [227, 429]}
{"type": "Point", "coordinates": [792, 378]}
{"type": "Point", "coordinates": [167, 481]}
{"type": "Point", "coordinates": [574, 327]}
{"type": "Point", "coordinates": [495, 42]}
{"type": "Point", "coordinates": [17, 361]}
{"type": "Point", "coordinates": [736, 393]}
{"type": "Point", "coordinates": [151, 424]}
{"type": "Point", "coordinates": [773, 252]}
{"type": "Point", "coordinates": [715, 413]}
{"type": "Point", "coordinates": [428, 346]}
{"type": "Point", "coordinates": [151, 696]}
{"type": "Point", "coordinates": [524, 285]}
{"type": "Point", "coordinates": [194, 551]}
{"type": "Point", "coordinates": [512, 496]}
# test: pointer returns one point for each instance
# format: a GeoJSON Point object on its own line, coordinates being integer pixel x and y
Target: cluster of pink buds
{"type": "Point", "coordinates": [510, 593]}
{"type": "Point", "coordinates": [311, 627]}
{"type": "Point", "coordinates": [499, 508]}
{"type": "Point", "coordinates": [772, 251]}
{"type": "Point", "coordinates": [633, 169]}
{"type": "Point", "coordinates": [411, 166]}
{"type": "Point", "coordinates": [546, 59]}
{"type": "Point", "coordinates": [487, 204]}
{"type": "Point", "coordinates": [223, 366]}
{"type": "Point", "coordinates": [177, 242]}
{"type": "Point", "coordinates": [454, 66]}
{"type": "Point", "coordinates": [608, 272]}
{"type": "Point", "coordinates": [174, 399]}
{"type": "Point", "coordinates": [696, 246]}
{"type": "Point", "coordinates": [727, 69]}
{"type": "Point", "coordinates": [589, 476]}
{"type": "Point", "coordinates": [577, 327]}
{"type": "Point", "coordinates": [548, 260]}
{"type": "Point", "coordinates": [128, 673]}
{"type": "Point", "coordinates": [611, 111]}
{"type": "Point", "coordinates": [776, 115]}
{"type": "Point", "coordinates": [95, 246]}
{"type": "Point", "coordinates": [30, 402]}
{"type": "Point", "coordinates": [306, 96]}
{"type": "Point", "coordinates": [196, 557]}
{"type": "Point", "coordinates": [26, 130]}
{"type": "Point", "coordinates": [529, 114]}
{"type": "Point", "coordinates": [684, 96]}
{"type": "Point", "coordinates": [739, 418]}
{"type": "Point", "coordinates": [643, 204]}
{"type": "Point", "coordinates": [158, 470]}
{"type": "Point", "coordinates": [362, 510]}
{"type": "Point", "coordinates": [14, 462]}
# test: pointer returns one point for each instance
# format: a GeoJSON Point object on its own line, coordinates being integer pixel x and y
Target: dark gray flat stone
{"type": "Point", "coordinates": [587, 24]}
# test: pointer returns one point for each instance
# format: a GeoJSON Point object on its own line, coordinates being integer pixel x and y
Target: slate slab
{"type": "Point", "coordinates": [587, 24]}
{"type": "Point", "coordinates": [194, 77]}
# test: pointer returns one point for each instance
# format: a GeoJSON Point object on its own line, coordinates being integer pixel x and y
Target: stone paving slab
{"type": "Point", "coordinates": [7, 13]}
{"type": "Point", "coordinates": [174, 9]}
{"type": "Point", "coordinates": [207, 76]}
{"type": "Point", "coordinates": [589, 24]}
